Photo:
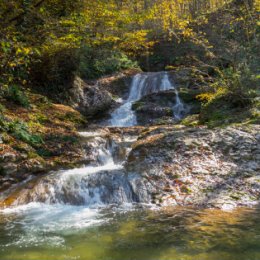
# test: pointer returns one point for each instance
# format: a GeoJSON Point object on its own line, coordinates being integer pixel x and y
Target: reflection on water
{"type": "Point", "coordinates": [67, 232]}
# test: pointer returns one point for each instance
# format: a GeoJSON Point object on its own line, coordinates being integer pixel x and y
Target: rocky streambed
{"type": "Point", "coordinates": [143, 154]}
{"type": "Point", "coordinates": [168, 165]}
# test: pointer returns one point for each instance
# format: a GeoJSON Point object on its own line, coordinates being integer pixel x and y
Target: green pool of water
{"type": "Point", "coordinates": [66, 233]}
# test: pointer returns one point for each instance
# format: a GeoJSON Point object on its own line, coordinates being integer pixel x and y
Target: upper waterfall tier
{"type": "Point", "coordinates": [142, 85]}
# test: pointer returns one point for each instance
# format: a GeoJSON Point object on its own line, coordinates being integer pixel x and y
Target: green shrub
{"type": "Point", "coordinates": [2, 108]}
{"type": "Point", "coordinates": [240, 84]}
{"type": "Point", "coordinates": [44, 153]}
{"type": "Point", "coordinates": [95, 63]}
{"type": "Point", "coordinates": [20, 130]}
{"type": "Point", "coordinates": [2, 123]}
{"type": "Point", "coordinates": [16, 95]}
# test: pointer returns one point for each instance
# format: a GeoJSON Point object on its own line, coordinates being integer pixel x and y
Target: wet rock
{"type": "Point", "coordinates": [154, 106]}
{"type": "Point", "coordinates": [168, 165]}
{"type": "Point", "coordinates": [160, 105]}
{"type": "Point", "coordinates": [6, 185]}
{"type": "Point", "coordinates": [106, 187]}
{"type": "Point", "coordinates": [118, 83]}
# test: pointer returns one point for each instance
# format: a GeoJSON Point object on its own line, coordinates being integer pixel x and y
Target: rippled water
{"type": "Point", "coordinates": [38, 231]}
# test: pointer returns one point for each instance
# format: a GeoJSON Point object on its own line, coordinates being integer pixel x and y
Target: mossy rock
{"type": "Point", "coordinates": [189, 95]}
{"type": "Point", "coordinates": [138, 105]}
{"type": "Point", "coordinates": [221, 111]}
{"type": "Point", "coordinates": [191, 120]}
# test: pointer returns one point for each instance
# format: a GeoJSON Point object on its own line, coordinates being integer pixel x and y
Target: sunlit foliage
{"type": "Point", "coordinates": [47, 41]}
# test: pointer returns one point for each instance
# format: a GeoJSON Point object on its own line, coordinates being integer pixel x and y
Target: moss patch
{"type": "Point", "coordinates": [220, 112]}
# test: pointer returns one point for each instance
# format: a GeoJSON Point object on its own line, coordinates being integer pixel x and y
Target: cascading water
{"type": "Point", "coordinates": [68, 200]}
{"type": "Point", "coordinates": [124, 115]}
{"type": "Point", "coordinates": [104, 183]}
{"type": "Point", "coordinates": [105, 180]}
{"type": "Point", "coordinates": [142, 85]}
{"type": "Point", "coordinates": [83, 213]}
{"type": "Point", "coordinates": [178, 109]}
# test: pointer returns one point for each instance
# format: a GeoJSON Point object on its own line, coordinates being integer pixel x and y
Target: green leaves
{"type": "Point", "coordinates": [16, 95]}
{"type": "Point", "coordinates": [20, 130]}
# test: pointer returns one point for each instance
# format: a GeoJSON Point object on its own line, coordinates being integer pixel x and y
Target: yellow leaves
{"type": "Point", "coordinates": [110, 39]}
{"type": "Point", "coordinates": [208, 96]}
{"type": "Point", "coordinates": [18, 51]}
{"type": "Point", "coordinates": [12, 64]}
{"type": "Point", "coordinates": [188, 33]}
{"type": "Point", "coordinates": [67, 23]}
{"type": "Point", "coordinates": [134, 42]}
{"type": "Point", "coordinates": [205, 97]}
{"type": "Point", "coordinates": [70, 38]}
{"type": "Point", "coordinates": [257, 5]}
{"type": "Point", "coordinates": [23, 51]}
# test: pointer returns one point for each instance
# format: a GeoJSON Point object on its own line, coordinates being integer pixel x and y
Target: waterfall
{"type": "Point", "coordinates": [144, 84]}
{"type": "Point", "coordinates": [102, 183]}
{"type": "Point", "coordinates": [178, 109]}
{"type": "Point", "coordinates": [124, 115]}
{"type": "Point", "coordinates": [104, 180]}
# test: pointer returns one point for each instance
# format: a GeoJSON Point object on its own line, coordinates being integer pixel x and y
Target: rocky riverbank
{"type": "Point", "coordinates": [36, 140]}
{"type": "Point", "coordinates": [168, 165]}
{"type": "Point", "coordinates": [199, 166]}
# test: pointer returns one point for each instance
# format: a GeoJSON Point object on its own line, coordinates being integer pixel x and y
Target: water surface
{"type": "Point", "coordinates": [38, 231]}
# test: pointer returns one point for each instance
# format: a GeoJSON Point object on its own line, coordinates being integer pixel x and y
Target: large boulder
{"type": "Point", "coordinates": [154, 107]}
{"type": "Point", "coordinates": [158, 108]}
{"type": "Point", "coordinates": [89, 99]}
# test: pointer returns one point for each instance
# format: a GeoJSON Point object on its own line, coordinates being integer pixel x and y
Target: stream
{"type": "Point", "coordinates": [102, 211]}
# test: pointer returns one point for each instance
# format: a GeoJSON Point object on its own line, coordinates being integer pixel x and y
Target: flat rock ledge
{"type": "Point", "coordinates": [202, 167]}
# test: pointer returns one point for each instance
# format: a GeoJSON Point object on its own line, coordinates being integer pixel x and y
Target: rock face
{"type": "Point", "coordinates": [150, 109]}
{"type": "Point", "coordinates": [89, 100]}
{"type": "Point", "coordinates": [93, 98]}
{"type": "Point", "coordinates": [198, 166]}
{"type": "Point", "coordinates": [17, 167]}
{"type": "Point", "coordinates": [157, 108]}
{"type": "Point", "coordinates": [119, 83]}
{"type": "Point", "coordinates": [168, 164]}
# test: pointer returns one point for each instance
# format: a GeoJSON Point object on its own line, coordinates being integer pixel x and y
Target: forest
{"type": "Point", "coordinates": [45, 43]}
{"type": "Point", "coordinates": [149, 103]}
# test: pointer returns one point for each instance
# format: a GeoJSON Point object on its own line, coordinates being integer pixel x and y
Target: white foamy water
{"type": "Point", "coordinates": [124, 115]}
{"type": "Point", "coordinates": [91, 134]}
{"type": "Point", "coordinates": [142, 85]}
{"type": "Point", "coordinates": [55, 220]}
{"type": "Point", "coordinates": [86, 171]}
{"type": "Point", "coordinates": [178, 108]}
{"type": "Point", "coordinates": [103, 183]}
